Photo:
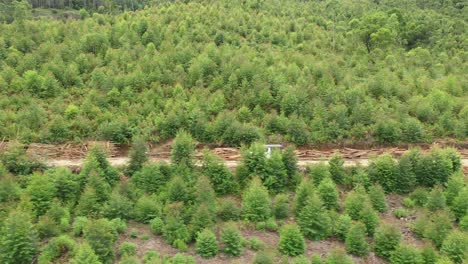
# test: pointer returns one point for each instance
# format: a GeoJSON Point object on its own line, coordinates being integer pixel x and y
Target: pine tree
{"type": "Point", "coordinates": [355, 202]}
{"type": "Point", "coordinates": [356, 242]}
{"type": "Point", "coordinates": [329, 194]}
{"type": "Point", "coordinates": [290, 162]}
{"type": "Point", "coordinates": [232, 241]}
{"type": "Point", "coordinates": [455, 246]}
{"type": "Point", "coordinates": [276, 176]}
{"type": "Point", "coordinates": [303, 192]}
{"type": "Point", "coordinates": [138, 156]}
{"type": "Point", "coordinates": [370, 218]}
{"type": "Point", "coordinates": [183, 149]}
{"type": "Point", "coordinates": [342, 226]}
{"type": "Point", "coordinates": [291, 242]}
{"type": "Point", "coordinates": [150, 178]}
{"type": "Point", "coordinates": [407, 165]}
{"type": "Point", "coordinates": [100, 235]}
{"type": "Point", "coordinates": [256, 202]}
{"type": "Point", "coordinates": [377, 198]}
{"type": "Point", "coordinates": [337, 170]}
{"type": "Point", "coordinates": [206, 244]}
{"type": "Point", "coordinates": [383, 170]}
{"type": "Point", "coordinates": [222, 179]}
{"type": "Point", "coordinates": [85, 255]}
{"type": "Point", "coordinates": [453, 187]}
{"type": "Point", "coordinates": [41, 190]}
{"type": "Point", "coordinates": [318, 172]}
{"type": "Point", "coordinates": [18, 239]}
{"type": "Point", "coordinates": [436, 199]}
{"type": "Point", "coordinates": [314, 221]}
{"type": "Point", "coordinates": [202, 218]}
{"type": "Point", "coordinates": [460, 204]}
{"type": "Point", "coordinates": [281, 206]}
{"type": "Point", "coordinates": [386, 240]}
{"type": "Point", "coordinates": [338, 256]}
{"type": "Point", "coordinates": [406, 254]}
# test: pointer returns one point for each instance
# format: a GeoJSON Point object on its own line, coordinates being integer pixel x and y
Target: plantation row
{"type": "Point", "coordinates": [53, 215]}
{"type": "Point", "coordinates": [306, 72]}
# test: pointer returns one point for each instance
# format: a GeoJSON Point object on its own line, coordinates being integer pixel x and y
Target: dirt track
{"type": "Point", "coordinates": [72, 155]}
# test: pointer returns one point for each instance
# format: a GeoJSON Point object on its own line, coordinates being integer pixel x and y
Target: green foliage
{"type": "Point", "coordinates": [232, 241]}
{"type": "Point", "coordinates": [127, 249]}
{"type": "Point", "coordinates": [228, 209]}
{"type": "Point", "coordinates": [18, 239]}
{"type": "Point", "coordinates": [407, 168]}
{"type": "Point", "coordinates": [118, 206]}
{"type": "Point", "coordinates": [453, 187]}
{"type": "Point", "coordinates": [386, 240]}
{"type": "Point", "coordinates": [406, 254]}
{"type": "Point", "coordinates": [329, 194]}
{"type": "Point", "coordinates": [355, 202]}
{"type": "Point", "coordinates": [100, 235]}
{"type": "Point", "coordinates": [138, 156]}
{"type": "Point", "coordinates": [383, 170]}
{"type": "Point", "coordinates": [221, 178]}
{"type": "Point", "coordinates": [356, 242]}
{"type": "Point", "coordinates": [342, 225]}
{"type": "Point", "coordinates": [338, 256]}
{"type": "Point", "coordinates": [370, 218]}
{"type": "Point", "coordinates": [183, 149]}
{"type": "Point", "coordinates": [336, 167]}
{"type": "Point", "coordinates": [292, 241]}
{"type": "Point", "coordinates": [439, 227]}
{"type": "Point", "coordinates": [281, 206]}
{"type": "Point", "coordinates": [182, 259]}
{"type": "Point", "coordinates": [460, 204]}
{"type": "Point", "coordinates": [206, 244]}
{"type": "Point", "coordinates": [55, 248]}
{"type": "Point", "coordinates": [319, 172]}
{"type": "Point", "coordinates": [436, 199]}
{"type": "Point", "coordinates": [303, 192]}
{"type": "Point", "coordinates": [79, 224]}
{"type": "Point", "coordinates": [156, 226]}
{"type": "Point", "coordinates": [276, 175]}
{"type": "Point", "coordinates": [377, 198]}
{"type": "Point", "coordinates": [256, 244]}
{"type": "Point", "coordinates": [203, 218]}
{"type": "Point", "coordinates": [434, 168]}
{"type": "Point", "coordinates": [256, 203]}
{"type": "Point", "coordinates": [14, 159]}
{"type": "Point", "coordinates": [455, 246]}
{"type": "Point", "coordinates": [151, 177]}
{"type": "Point", "coordinates": [147, 208]}
{"type": "Point", "coordinates": [175, 230]}
{"type": "Point", "coordinates": [419, 196]}
{"type": "Point", "coordinates": [263, 257]}
{"type": "Point", "coordinates": [314, 220]}
{"type": "Point", "coordinates": [85, 255]}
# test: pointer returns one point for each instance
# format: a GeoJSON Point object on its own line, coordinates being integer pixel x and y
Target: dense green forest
{"type": "Point", "coordinates": [413, 210]}
{"type": "Point", "coordinates": [233, 72]}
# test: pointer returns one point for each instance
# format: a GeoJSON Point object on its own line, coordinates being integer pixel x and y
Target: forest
{"type": "Point", "coordinates": [410, 210]}
{"type": "Point", "coordinates": [235, 72]}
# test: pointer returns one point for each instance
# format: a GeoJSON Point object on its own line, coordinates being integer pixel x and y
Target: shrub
{"type": "Point", "coordinates": [439, 227]}
{"type": "Point", "coordinates": [119, 225]}
{"type": "Point", "coordinates": [314, 221]}
{"type": "Point", "coordinates": [329, 194]}
{"type": "Point", "coordinates": [151, 177]}
{"type": "Point", "coordinates": [434, 168]}
{"type": "Point", "coordinates": [129, 260]}
{"type": "Point", "coordinates": [464, 223]}
{"type": "Point", "coordinates": [175, 229]}
{"type": "Point", "coordinates": [55, 248]}
{"type": "Point", "coordinates": [256, 202]}
{"type": "Point", "coordinates": [276, 177]}
{"type": "Point", "coordinates": [232, 241]}
{"type": "Point", "coordinates": [18, 240]}
{"type": "Point", "coordinates": [405, 254]}
{"type": "Point", "coordinates": [156, 226]}
{"type": "Point", "coordinates": [291, 242]}
{"type": "Point", "coordinates": [436, 199]}
{"type": "Point", "coordinates": [281, 206]}
{"type": "Point", "coordinates": [256, 244]}
{"type": "Point", "coordinates": [206, 244]}
{"type": "Point", "coordinates": [127, 249]}
{"type": "Point", "coordinates": [455, 246]}
{"type": "Point", "coordinates": [41, 190]}
{"type": "Point", "coordinates": [85, 255]}
{"type": "Point", "coordinates": [460, 204]}
{"type": "Point", "coordinates": [356, 242]}
{"type": "Point", "coordinates": [228, 209]}
{"type": "Point", "coordinates": [316, 259]}
{"type": "Point", "coordinates": [401, 212]}
{"type": "Point", "coordinates": [151, 257]}
{"type": "Point", "coordinates": [118, 206]}
{"type": "Point", "coordinates": [202, 218]}
{"type": "Point", "coordinates": [263, 258]}
{"type": "Point", "coordinates": [419, 196]}
{"type": "Point", "coordinates": [407, 171]}
{"type": "Point", "coordinates": [338, 256]}
{"type": "Point", "coordinates": [377, 198]}
{"type": "Point", "coordinates": [409, 203]}
{"type": "Point", "coordinates": [386, 240]}
{"type": "Point", "coordinates": [342, 226]}
{"type": "Point", "coordinates": [429, 255]}
{"type": "Point", "coordinates": [183, 149]}
{"type": "Point", "coordinates": [182, 259]}
{"type": "Point", "coordinates": [79, 224]}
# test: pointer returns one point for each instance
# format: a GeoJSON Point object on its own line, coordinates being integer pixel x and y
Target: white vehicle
{"type": "Point", "coordinates": [271, 147]}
